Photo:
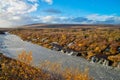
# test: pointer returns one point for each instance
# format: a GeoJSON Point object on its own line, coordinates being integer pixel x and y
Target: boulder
{"type": "Point", "coordinates": [56, 46]}
{"type": "Point", "coordinates": [106, 63]}
{"type": "Point", "coordinates": [70, 53]}
{"type": "Point", "coordinates": [101, 61]}
{"type": "Point", "coordinates": [74, 53]}
{"type": "Point", "coordinates": [118, 65]}
{"type": "Point", "coordinates": [62, 51]}
{"type": "Point", "coordinates": [79, 54]}
{"type": "Point", "coordinates": [97, 60]}
{"type": "Point", "coordinates": [94, 59]}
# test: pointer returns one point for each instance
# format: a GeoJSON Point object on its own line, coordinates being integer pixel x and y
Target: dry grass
{"type": "Point", "coordinates": [17, 70]}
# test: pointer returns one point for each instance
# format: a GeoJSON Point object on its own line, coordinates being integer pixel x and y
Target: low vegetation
{"type": "Point", "coordinates": [21, 69]}
{"type": "Point", "coordinates": [102, 42]}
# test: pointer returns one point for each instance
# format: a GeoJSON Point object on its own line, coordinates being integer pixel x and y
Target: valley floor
{"type": "Point", "coordinates": [12, 46]}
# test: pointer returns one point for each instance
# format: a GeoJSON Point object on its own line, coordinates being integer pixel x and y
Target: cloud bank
{"type": "Point", "coordinates": [12, 12]}
{"type": "Point", "coordinates": [17, 12]}
{"type": "Point", "coordinates": [90, 19]}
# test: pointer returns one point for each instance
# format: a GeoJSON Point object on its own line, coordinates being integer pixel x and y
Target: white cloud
{"type": "Point", "coordinates": [16, 18]}
{"type": "Point", "coordinates": [52, 19]}
{"type": "Point", "coordinates": [48, 19]}
{"type": "Point", "coordinates": [104, 19]}
{"type": "Point", "coordinates": [17, 12]}
{"type": "Point", "coordinates": [97, 17]}
{"type": "Point", "coordinates": [5, 23]}
{"type": "Point", "coordinates": [48, 1]}
{"type": "Point", "coordinates": [17, 6]}
{"type": "Point", "coordinates": [12, 11]}
{"type": "Point", "coordinates": [33, 0]}
{"type": "Point", "coordinates": [90, 19]}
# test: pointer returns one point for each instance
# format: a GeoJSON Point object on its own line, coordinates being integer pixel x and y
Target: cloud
{"type": "Point", "coordinates": [12, 11]}
{"type": "Point", "coordinates": [48, 1]}
{"type": "Point", "coordinates": [17, 12]}
{"type": "Point", "coordinates": [33, 0]}
{"type": "Point", "coordinates": [51, 19]}
{"type": "Point", "coordinates": [52, 11]}
{"type": "Point", "coordinates": [47, 19]}
{"type": "Point", "coordinates": [97, 17]}
{"type": "Point", "coordinates": [104, 19]}
{"type": "Point", "coordinates": [90, 19]}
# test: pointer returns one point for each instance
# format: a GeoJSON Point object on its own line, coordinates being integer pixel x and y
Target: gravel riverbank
{"type": "Point", "coordinates": [12, 45]}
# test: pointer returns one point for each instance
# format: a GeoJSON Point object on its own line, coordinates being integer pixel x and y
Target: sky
{"type": "Point", "coordinates": [22, 12]}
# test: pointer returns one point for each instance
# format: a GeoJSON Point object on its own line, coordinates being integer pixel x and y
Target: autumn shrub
{"type": "Point", "coordinates": [16, 70]}
{"type": "Point", "coordinates": [88, 41]}
{"type": "Point", "coordinates": [115, 59]}
{"type": "Point", "coordinates": [25, 57]}
{"type": "Point", "coordinates": [22, 70]}
{"type": "Point", "coordinates": [59, 73]}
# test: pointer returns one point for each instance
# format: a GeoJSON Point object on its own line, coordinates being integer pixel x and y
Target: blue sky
{"type": "Point", "coordinates": [22, 12]}
{"type": "Point", "coordinates": [85, 7]}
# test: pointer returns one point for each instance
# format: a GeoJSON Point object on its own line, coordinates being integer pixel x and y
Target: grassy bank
{"type": "Point", "coordinates": [21, 69]}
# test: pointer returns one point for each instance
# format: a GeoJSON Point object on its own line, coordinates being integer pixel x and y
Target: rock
{"type": "Point", "coordinates": [101, 61]}
{"type": "Point", "coordinates": [56, 46]}
{"type": "Point", "coordinates": [44, 39]}
{"type": "Point", "coordinates": [70, 53]}
{"type": "Point", "coordinates": [118, 65]}
{"type": "Point", "coordinates": [74, 53]}
{"type": "Point", "coordinates": [106, 63]}
{"type": "Point", "coordinates": [62, 51]}
{"type": "Point", "coordinates": [118, 49]}
{"type": "Point", "coordinates": [94, 59]}
{"type": "Point", "coordinates": [79, 54]}
{"type": "Point", "coordinates": [70, 44]}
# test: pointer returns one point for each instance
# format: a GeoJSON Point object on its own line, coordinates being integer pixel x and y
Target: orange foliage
{"type": "Point", "coordinates": [115, 58]}
{"type": "Point", "coordinates": [25, 57]}
{"type": "Point", "coordinates": [100, 40]}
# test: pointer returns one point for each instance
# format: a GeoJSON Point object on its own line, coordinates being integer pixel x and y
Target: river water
{"type": "Point", "coordinates": [12, 45]}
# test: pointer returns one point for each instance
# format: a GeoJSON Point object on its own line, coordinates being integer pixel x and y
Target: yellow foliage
{"type": "Point", "coordinates": [80, 45]}
{"type": "Point", "coordinates": [97, 49]}
{"type": "Point", "coordinates": [66, 73]}
{"type": "Point", "coordinates": [90, 54]}
{"type": "Point", "coordinates": [63, 36]}
{"type": "Point", "coordinates": [25, 57]}
{"type": "Point", "coordinates": [16, 70]}
{"type": "Point", "coordinates": [115, 58]}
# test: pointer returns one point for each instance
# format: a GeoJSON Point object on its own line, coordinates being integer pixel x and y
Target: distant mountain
{"type": "Point", "coordinates": [67, 25]}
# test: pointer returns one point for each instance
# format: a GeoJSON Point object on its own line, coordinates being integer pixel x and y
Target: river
{"type": "Point", "coordinates": [12, 45]}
